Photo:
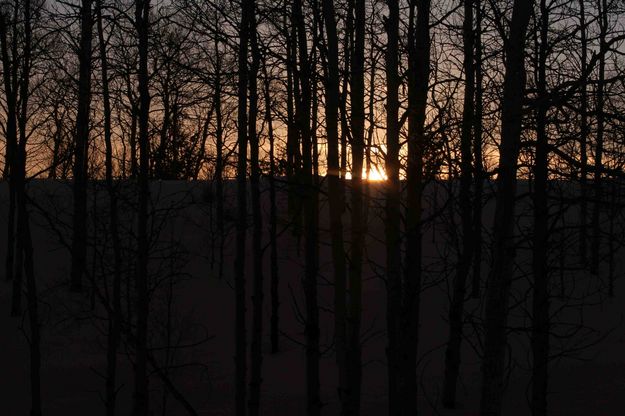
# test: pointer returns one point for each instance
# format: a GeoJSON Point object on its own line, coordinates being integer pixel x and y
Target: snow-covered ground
{"type": "Point", "coordinates": [201, 314]}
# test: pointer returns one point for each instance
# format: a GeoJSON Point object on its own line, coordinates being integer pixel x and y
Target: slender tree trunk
{"type": "Point", "coordinates": [134, 114]}
{"type": "Point", "coordinates": [500, 278]}
{"type": "Point", "coordinates": [598, 191]}
{"type": "Point", "coordinates": [371, 115]}
{"type": "Point", "coordinates": [161, 167]}
{"type": "Point", "coordinates": [81, 145]}
{"type": "Point", "coordinates": [24, 259]}
{"type": "Point", "coordinates": [478, 177]}
{"type": "Point", "coordinates": [303, 118]}
{"type": "Point", "coordinates": [25, 242]}
{"type": "Point", "coordinates": [33, 314]}
{"type": "Point", "coordinates": [418, 77]}
{"type": "Point", "coordinates": [335, 191]}
{"type": "Point", "coordinates": [18, 265]}
{"type": "Point", "coordinates": [392, 207]}
{"type": "Point", "coordinates": [256, 355]}
{"type": "Point", "coordinates": [540, 306]}
{"type": "Point", "coordinates": [273, 223]}
{"type": "Point", "coordinates": [56, 150]}
{"type": "Point", "coordinates": [219, 163]}
{"type": "Point", "coordinates": [11, 144]}
{"type": "Point", "coordinates": [456, 309]}
{"type": "Point", "coordinates": [351, 406]}
{"type": "Point", "coordinates": [10, 240]}
{"type": "Point", "coordinates": [239, 262]}
{"type": "Point", "coordinates": [614, 196]}
{"type": "Point", "coordinates": [293, 135]}
{"type": "Point", "coordinates": [115, 316]}
{"type": "Point", "coordinates": [20, 157]}
{"type": "Point", "coordinates": [141, 398]}
{"type": "Point", "coordinates": [348, 43]}
{"type": "Point", "coordinates": [583, 140]}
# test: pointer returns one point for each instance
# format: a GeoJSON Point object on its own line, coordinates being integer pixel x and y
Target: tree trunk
{"type": "Point", "coordinates": [500, 278]}
{"type": "Point", "coordinates": [540, 306]}
{"type": "Point", "coordinates": [418, 77]}
{"type": "Point", "coordinates": [33, 314]}
{"type": "Point", "coordinates": [115, 314]}
{"type": "Point", "coordinates": [25, 242]}
{"type": "Point", "coordinates": [456, 309]}
{"type": "Point", "coordinates": [239, 262]}
{"type": "Point", "coordinates": [56, 149]}
{"type": "Point", "coordinates": [81, 145]}
{"type": "Point", "coordinates": [219, 162]}
{"type": "Point", "coordinates": [24, 260]}
{"type": "Point", "coordinates": [335, 191]}
{"type": "Point", "coordinates": [303, 117]}
{"type": "Point", "coordinates": [294, 157]}
{"type": "Point", "coordinates": [256, 355]}
{"type": "Point", "coordinates": [11, 144]}
{"type": "Point", "coordinates": [583, 140]}
{"type": "Point", "coordinates": [392, 207]}
{"type": "Point", "coordinates": [24, 235]}
{"type": "Point", "coordinates": [141, 399]}
{"type": "Point", "coordinates": [273, 224]}
{"type": "Point", "coordinates": [478, 177]}
{"type": "Point", "coordinates": [351, 404]}
{"type": "Point", "coordinates": [598, 191]}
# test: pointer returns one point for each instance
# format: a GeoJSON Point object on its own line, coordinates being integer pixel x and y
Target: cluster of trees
{"type": "Point", "coordinates": [321, 95]}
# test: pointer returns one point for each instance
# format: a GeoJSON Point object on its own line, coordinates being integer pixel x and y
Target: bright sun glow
{"type": "Point", "coordinates": [376, 175]}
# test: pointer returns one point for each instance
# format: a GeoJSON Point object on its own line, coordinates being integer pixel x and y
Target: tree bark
{"type": "Point", "coordinates": [595, 252]}
{"type": "Point", "coordinates": [10, 91]}
{"type": "Point", "coordinates": [351, 404]}
{"type": "Point", "coordinates": [303, 118]}
{"type": "Point", "coordinates": [141, 397]}
{"type": "Point", "coordinates": [294, 156]}
{"type": "Point", "coordinates": [540, 304]}
{"type": "Point", "coordinates": [256, 355]}
{"type": "Point", "coordinates": [219, 144]}
{"type": "Point", "coordinates": [500, 277]}
{"type": "Point", "coordinates": [335, 191]}
{"type": "Point", "coordinates": [456, 309]}
{"type": "Point", "coordinates": [241, 227]}
{"type": "Point", "coordinates": [115, 314]}
{"type": "Point", "coordinates": [392, 207]}
{"type": "Point", "coordinates": [418, 82]}
{"type": "Point", "coordinates": [81, 145]}
{"type": "Point", "coordinates": [25, 260]}
{"type": "Point", "coordinates": [478, 177]}
{"type": "Point", "coordinates": [273, 224]}
{"type": "Point", "coordinates": [583, 140]}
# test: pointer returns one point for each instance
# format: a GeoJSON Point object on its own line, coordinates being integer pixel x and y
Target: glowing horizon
{"type": "Point", "coordinates": [376, 174]}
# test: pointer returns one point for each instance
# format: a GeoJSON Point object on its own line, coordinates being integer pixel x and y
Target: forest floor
{"type": "Point", "coordinates": [198, 308]}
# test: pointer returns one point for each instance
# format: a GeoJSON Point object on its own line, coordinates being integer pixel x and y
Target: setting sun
{"type": "Point", "coordinates": [376, 175]}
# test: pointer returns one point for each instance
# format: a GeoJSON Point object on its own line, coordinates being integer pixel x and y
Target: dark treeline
{"type": "Point", "coordinates": [513, 109]}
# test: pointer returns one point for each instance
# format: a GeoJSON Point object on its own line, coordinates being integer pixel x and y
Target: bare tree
{"type": "Point", "coordinates": [241, 228]}
{"type": "Point", "coordinates": [418, 82]}
{"type": "Point", "coordinates": [115, 319]}
{"type": "Point", "coordinates": [9, 75]}
{"type": "Point", "coordinates": [141, 397]}
{"type": "Point", "coordinates": [81, 145]}
{"type": "Point", "coordinates": [602, 6]}
{"type": "Point", "coordinates": [500, 277]}
{"type": "Point", "coordinates": [256, 355]}
{"type": "Point", "coordinates": [452, 355]}
{"type": "Point", "coordinates": [351, 404]}
{"type": "Point", "coordinates": [392, 209]}
{"type": "Point", "coordinates": [540, 308]}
